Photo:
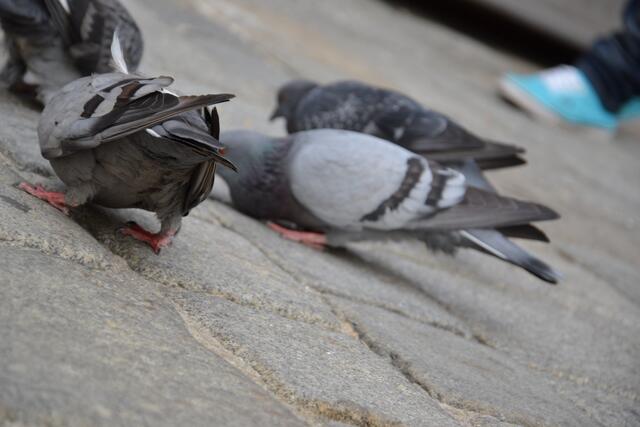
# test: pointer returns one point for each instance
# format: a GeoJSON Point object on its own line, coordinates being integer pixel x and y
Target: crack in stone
{"type": "Point", "coordinates": [197, 288]}
{"type": "Point", "coordinates": [230, 297]}
{"type": "Point", "coordinates": [43, 247]}
{"type": "Point", "coordinates": [409, 282]}
{"type": "Point", "coordinates": [403, 367]}
{"type": "Point", "coordinates": [323, 291]}
{"type": "Point", "coordinates": [311, 410]}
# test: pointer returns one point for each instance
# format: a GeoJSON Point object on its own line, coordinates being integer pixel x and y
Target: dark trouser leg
{"type": "Point", "coordinates": [612, 64]}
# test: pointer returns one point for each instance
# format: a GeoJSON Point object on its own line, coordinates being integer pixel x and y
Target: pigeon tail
{"type": "Point", "coordinates": [494, 243]}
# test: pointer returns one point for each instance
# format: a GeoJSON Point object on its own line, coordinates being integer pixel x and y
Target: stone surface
{"type": "Point", "coordinates": [361, 388]}
{"type": "Point", "coordinates": [461, 374]}
{"type": "Point", "coordinates": [232, 325]}
{"type": "Point", "coordinates": [80, 347]}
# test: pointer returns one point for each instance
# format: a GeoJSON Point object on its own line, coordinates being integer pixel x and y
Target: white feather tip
{"type": "Point", "coordinates": [117, 55]}
{"type": "Point", "coordinates": [65, 5]}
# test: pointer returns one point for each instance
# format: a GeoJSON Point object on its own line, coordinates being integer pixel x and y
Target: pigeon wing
{"type": "Point", "coordinates": [341, 105]}
{"type": "Point", "coordinates": [441, 139]}
{"type": "Point", "coordinates": [114, 110]}
{"type": "Point", "coordinates": [354, 181]}
{"type": "Point", "coordinates": [484, 209]}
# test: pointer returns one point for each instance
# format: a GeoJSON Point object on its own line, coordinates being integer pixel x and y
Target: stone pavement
{"type": "Point", "coordinates": [234, 326]}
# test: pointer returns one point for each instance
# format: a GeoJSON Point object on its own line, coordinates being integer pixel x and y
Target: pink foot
{"type": "Point", "coordinates": [157, 241]}
{"type": "Point", "coordinates": [314, 240]}
{"type": "Point", "coordinates": [54, 198]}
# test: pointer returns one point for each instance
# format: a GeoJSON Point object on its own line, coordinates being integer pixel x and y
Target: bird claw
{"type": "Point", "coordinates": [55, 199]}
{"type": "Point", "coordinates": [314, 240]}
{"type": "Point", "coordinates": [156, 241]}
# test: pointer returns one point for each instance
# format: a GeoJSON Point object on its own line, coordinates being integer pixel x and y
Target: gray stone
{"type": "Point", "coordinates": [28, 222]}
{"type": "Point", "coordinates": [461, 373]}
{"type": "Point", "coordinates": [210, 259]}
{"type": "Point", "coordinates": [80, 347]}
{"type": "Point", "coordinates": [339, 273]}
{"type": "Point", "coordinates": [328, 373]}
{"type": "Point", "coordinates": [19, 123]}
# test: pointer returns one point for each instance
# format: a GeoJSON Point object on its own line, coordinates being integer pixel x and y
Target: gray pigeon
{"type": "Point", "coordinates": [389, 115]}
{"type": "Point", "coordinates": [53, 42]}
{"type": "Point", "coordinates": [124, 141]}
{"type": "Point", "coordinates": [340, 186]}
{"type": "Point", "coordinates": [399, 119]}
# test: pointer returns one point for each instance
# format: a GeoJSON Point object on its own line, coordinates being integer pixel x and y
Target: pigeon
{"type": "Point", "coordinates": [390, 115]}
{"type": "Point", "coordinates": [329, 187]}
{"type": "Point", "coordinates": [53, 42]}
{"type": "Point", "coordinates": [125, 141]}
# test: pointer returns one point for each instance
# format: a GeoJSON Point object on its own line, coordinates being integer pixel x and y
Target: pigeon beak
{"type": "Point", "coordinates": [276, 113]}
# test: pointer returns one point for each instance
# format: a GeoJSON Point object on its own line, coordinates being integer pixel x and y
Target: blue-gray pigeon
{"type": "Point", "coordinates": [338, 186]}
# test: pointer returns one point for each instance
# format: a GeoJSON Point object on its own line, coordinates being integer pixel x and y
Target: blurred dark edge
{"type": "Point", "coordinates": [495, 28]}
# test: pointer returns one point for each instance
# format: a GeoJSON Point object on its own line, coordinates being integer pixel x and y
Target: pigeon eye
{"type": "Point", "coordinates": [55, 123]}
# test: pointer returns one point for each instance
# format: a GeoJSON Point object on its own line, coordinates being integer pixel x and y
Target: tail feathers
{"type": "Point", "coordinates": [499, 163]}
{"type": "Point", "coordinates": [528, 232]}
{"type": "Point", "coordinates": [494, 243]}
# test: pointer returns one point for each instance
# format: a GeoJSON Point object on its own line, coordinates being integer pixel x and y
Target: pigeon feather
{"type": "Point", "coordinates": [119, 62]}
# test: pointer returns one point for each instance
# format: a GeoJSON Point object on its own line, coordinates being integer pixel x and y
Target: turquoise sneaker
{"type": "Point", "coordinates": [564, 94]}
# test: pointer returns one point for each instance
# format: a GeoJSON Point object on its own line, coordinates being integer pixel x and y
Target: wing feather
{"type": "Point", "coordinates": [118, 105]}
{"type": "Point", "coordinates": [483, 209]}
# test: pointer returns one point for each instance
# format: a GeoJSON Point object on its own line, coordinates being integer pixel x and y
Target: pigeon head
{"type": "Point", "coordinates": [249, 189]}
{"type": "Point", "coordinates": [289, 96]}
{"type": "Point", "coordinates": [244, 149]}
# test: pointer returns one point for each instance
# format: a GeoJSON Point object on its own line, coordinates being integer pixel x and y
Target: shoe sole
{"type": "Point", "coordinates": [530, 105]}
{"type": "Point", "coordinates": [524, 101]}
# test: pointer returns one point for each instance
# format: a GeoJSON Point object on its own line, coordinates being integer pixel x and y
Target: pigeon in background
{"type": "Point", "coordinates": [53, 42]}
{"type": "Point", "coordinates": [124, 141]}
{"type": "Point", "coordinates": [388, 115]}
{"type": "Point", "coordinates": [342, 186]}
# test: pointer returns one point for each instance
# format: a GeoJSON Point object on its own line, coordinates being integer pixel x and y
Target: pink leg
{"type": "Point", "coordinates": [157, 241]}
{"type": "Point", "coordinates": [54, 198]}
{"type": "Point", "coordinates": [314, 240]}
